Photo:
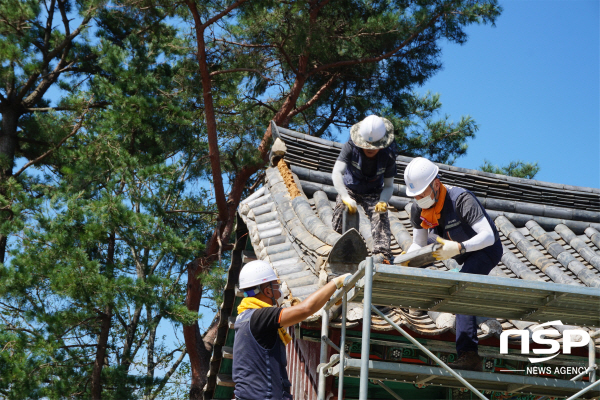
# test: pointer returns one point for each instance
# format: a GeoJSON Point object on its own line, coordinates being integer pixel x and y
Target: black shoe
{"type": "Point", "coordinates": [467, 360]}
{"type": "Point", "coordinates": [380, 259]}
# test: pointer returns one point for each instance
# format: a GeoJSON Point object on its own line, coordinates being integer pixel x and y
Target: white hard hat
{"type": "Point", "coordinates": [372, 128]}
{"type": "Point", "coordinates": [419, 173]}
{"type": "Point", "coordinates": [372, 133]}
{"type": "Point", "coordinates": [255, 273]}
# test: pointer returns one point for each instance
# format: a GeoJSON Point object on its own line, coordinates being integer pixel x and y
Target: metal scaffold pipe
{"type": "Point", "coordinates": [342, 347]}
{"type": "Point", "coordinates": [424, 349]}
{"type": "Point", "coordinates": [592, 356]}
{"type": "Point", "coordinates": [323, 359]}
{"type": "Point", "coordinates": [348, 285]}
{"type": "Point", "coordinates": [366, 331]}
{"type": "Point", "coordinates": [584, 391]}
{"type": "Point", "coordinates": [377, 381]}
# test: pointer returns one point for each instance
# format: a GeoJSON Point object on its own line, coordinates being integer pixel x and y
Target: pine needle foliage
{"type": "Point", "coordinates": [99, 260]}
{"type": "Point", "coordinates": [118, 196]}
{"type": "Point", "coordinates": [519, 169]}
{"type": "Point", "coordinates": [351, 58]}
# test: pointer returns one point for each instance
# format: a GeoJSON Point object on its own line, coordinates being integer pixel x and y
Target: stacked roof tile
{"type": "Point", "coordinates": [550, 232]}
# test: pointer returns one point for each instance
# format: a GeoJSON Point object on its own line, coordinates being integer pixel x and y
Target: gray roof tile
{"type": "Point", "coordinates": [526, 213]}
{"type": "Point", "coordinates": [322, 159]}
{"type": "Point", "coordinates": [594, 236]}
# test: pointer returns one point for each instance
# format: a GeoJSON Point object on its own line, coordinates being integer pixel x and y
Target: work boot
{"type": "Point", "coordinates": [467, 360]}
{"type": "Point", "coordinates": [379, 258]}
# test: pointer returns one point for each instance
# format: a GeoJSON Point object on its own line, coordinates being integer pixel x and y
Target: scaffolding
{"type": "Point", "coordinates": [379, 284]}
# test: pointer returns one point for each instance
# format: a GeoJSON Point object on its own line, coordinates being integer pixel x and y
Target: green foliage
{"type": "Point", "coordinates": [213, 284]}
{"type": "Point", "coordinates": [39, 43]}
{"type": "Point", "coordinates": [333, 52]}
{"type": "Point", "coordinates": [108, 228]}
{"type": "Point", "coordinates": [105, 225]}
{"type": "Point", "coordinates": [519, 169]}
{"type": "Point", "coordinates": [418, 134]}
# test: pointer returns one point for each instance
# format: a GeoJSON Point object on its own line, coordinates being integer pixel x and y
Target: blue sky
{"type": "Point", "coordinates": [532, 85]}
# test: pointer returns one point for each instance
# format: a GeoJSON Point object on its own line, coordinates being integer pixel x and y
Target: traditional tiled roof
{"type": "Point", "coordinates": [550, 232]}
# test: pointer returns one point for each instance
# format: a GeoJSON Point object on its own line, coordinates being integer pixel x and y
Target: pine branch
{"type": "Point", "coordinates": [316, 97]}
{"type": "Point", "coordinates": [227, 71]}
{"type": "Point", "coordinates": [287, 58]}
{"type": "Point", "coordinates": [222, 14]}
{"type": "Point", "coordinates": [319, 7]}
{"type": "Point", "coordinates": [46, 154]}
{"type": "Point", "coordinates": [378, 58]}
{"type": "Point", "coordinates": [169, 373]}
{"type": "Point", "coordinates": [190, 211]}
{"type": "Point", "coordinates": [101, 104]}
{"type": "Point", "coordinates": [262, 46]}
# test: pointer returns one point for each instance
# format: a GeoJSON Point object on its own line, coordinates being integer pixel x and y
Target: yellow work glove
{"type": "Point", "coordinates": [350, 203]}
{"type": "Point", "coordinates": [405, 263]}
{"type": "Point", "coordinates": [339, 281]}
{"type": "Point", "coordinates": [381, 207]}
{"type": "Point", "coordinates": [447, 251]}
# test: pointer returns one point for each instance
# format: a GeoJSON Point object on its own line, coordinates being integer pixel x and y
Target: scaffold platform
{"type": "Point", "coordinates": [430, 290]}
{"type": "Point", "coordinates": [489, 296]}
{"type": "Point", "coordinates": [425, 374]}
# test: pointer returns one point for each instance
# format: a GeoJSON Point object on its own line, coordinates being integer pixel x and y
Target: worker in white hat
{"type": "Point", "coordinates": [455, 218]}
{"type": "Point", "coordinates": [259, 358]}
{"type": "Point", "coordinates": [364, 175]}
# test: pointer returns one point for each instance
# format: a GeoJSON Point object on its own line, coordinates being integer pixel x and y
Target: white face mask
{"type": "Point", "coordinates": [426, 202]}
{"type": "Point", "coordinates": [280, 299]}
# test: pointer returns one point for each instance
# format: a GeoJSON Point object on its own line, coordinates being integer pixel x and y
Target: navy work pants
{"type": "Point", "coordinates": [481, 263]}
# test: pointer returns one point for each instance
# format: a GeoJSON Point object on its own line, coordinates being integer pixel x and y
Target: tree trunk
{"type": "Point", "coordinates": [150, 347]}
{"type": "Point", "coordinates": [106, 319]}
{"type": "Point", "coordinates": [129, 338]}
{"type": "Point", "coordinates": [191, 333]}
{"type": "Point", "coordinates": [8, 146]}
{"type": "Point", "coordinates": [8, 142]}
{"type": "Point", "coordinates": [106, 322]}
{"type": "Point", "coordinates": [204, 346]}
{"type": "Point", "coordinates": [196, 347]}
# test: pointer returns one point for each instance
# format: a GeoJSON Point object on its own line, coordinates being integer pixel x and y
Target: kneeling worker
{"type": "Point", "coordinates": [364, 175]}
{"type": "Point", "coordinates": [259, 358]}
{"type": "Point", "coordinates": [454, 217]}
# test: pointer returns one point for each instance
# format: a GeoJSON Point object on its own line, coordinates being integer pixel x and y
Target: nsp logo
{"type": "Point", "coordinates": [541, 336]}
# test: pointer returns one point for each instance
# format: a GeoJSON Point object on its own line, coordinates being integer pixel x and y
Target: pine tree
{"type": "Point", "coordinates": [40, 43]}
{"type": "Point", "coordinates": [310, 65]}
{"type": "Point", "coordinates": [519, 169]}
{"type": "Point", "coordinates": [101, 263]}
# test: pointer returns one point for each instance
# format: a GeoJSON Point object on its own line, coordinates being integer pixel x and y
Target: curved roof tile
{"type": "Point", "coordinates": [541, 226]}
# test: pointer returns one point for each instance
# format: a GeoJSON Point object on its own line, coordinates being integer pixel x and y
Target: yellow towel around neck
{"type": "Point", "coordinates": [253, 303]}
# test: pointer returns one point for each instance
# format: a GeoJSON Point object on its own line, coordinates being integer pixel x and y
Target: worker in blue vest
{"type": "Point", "coordinates": [364, 175]}
{"type": "Point", "coordinates": [261, 335]}
{"type": "Point", "coordinates": [455, 218]}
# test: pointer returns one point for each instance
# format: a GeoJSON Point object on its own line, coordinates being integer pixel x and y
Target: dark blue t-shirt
{"type": "Point", "coordinates": [369, 166]}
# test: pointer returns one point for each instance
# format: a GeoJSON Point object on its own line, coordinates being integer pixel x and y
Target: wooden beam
{"type": "Point", "coordinates": [420, 381]}
{"type": "Point", "coordinates": [225, 380]}
{"type": "Point", "coordinates": [227, 352]}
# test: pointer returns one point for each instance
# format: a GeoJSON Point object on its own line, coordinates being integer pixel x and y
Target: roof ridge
{"type": "Point", "coordinates": [530, 182]}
